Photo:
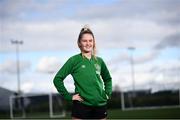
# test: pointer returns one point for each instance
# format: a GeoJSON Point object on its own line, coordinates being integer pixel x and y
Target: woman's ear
{"type": "Point", "coordinates": [79, 44]}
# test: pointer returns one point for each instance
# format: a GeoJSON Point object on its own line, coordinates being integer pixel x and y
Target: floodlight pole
{"type": "Point", "coordinates": [17, 43]}
{"type": "Point", "coordinates": [132, 67]}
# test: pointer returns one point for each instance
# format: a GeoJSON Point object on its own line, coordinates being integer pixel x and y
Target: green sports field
{"type": "Point", "coordinates": [148, 113]}
{"type": "Point", "coordinates": [161, 113]}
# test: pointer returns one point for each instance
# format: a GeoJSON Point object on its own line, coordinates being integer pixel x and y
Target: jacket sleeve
{"type": "Point", "coordinates": [65, 70]}
{"type": "Point", "coordinates": [106, 78]}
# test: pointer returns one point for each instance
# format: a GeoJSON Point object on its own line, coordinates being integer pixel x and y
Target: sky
{"type": "Point", "coordinates": [49, 30]}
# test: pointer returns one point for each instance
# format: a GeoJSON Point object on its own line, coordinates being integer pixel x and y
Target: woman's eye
{"type": "Point", "coordinates": [84, 40]}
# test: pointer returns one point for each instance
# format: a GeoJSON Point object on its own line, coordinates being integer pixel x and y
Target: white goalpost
{"type": "Point", "coordinates": [51, 110]}
{"type": "Point", "coordinates": [16, 106]}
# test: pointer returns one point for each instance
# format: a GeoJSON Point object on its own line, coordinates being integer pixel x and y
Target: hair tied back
{"type": "Point", "coordinates": [86, 27]}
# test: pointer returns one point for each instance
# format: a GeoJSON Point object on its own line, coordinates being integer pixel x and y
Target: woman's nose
{"type": "Point", "coordinates": [89, 42]}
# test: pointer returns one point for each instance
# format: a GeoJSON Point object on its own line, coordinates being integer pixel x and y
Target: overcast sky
{"type": "Point", "coordinates": [49, 31]}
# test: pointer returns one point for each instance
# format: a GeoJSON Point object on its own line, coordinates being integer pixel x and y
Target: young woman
{"type": "Point", "coordinates": [92, 80]}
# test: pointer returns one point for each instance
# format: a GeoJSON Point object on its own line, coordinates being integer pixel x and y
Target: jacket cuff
{"type": "Point", "coordinates": [68, 97]}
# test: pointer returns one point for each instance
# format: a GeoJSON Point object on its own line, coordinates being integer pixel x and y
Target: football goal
{"type": "Point", "coordinates": [37, 106]}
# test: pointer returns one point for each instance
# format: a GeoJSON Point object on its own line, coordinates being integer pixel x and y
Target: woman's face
{"type": "Point", "coordinates": [86, 43]}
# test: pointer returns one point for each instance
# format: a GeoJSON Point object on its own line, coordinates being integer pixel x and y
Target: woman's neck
{"type": "Point", "coordinates": [87, 55]}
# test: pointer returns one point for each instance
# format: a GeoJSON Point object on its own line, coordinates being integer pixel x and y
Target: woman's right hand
{"type": "Point", "coordinates": [77, 97]}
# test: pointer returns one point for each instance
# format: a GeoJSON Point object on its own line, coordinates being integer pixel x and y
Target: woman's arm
{"type": "Point", "coordinates": [106, 78]}
{"type": "Point", "coordinates": [59, 78]}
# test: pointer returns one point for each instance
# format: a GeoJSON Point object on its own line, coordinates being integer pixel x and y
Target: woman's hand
{"type": "Point", "coordinates": [77, 97]}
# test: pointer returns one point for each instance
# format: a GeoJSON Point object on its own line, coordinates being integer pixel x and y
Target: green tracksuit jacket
{"type": "Point", "coordinates": [92, 79]}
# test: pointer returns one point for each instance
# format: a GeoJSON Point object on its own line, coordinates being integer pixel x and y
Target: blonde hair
{"type": "Point", "coordinates": [87, 30]}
